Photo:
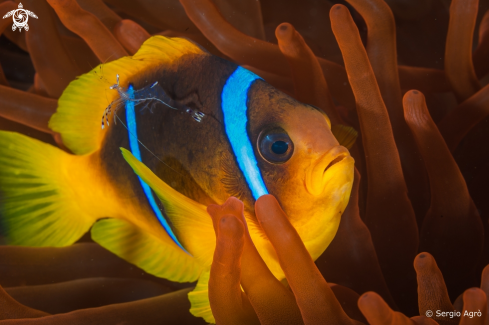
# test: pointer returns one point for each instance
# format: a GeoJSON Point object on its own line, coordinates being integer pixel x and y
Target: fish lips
{"type": "Point", "coordinates": [333, 161]}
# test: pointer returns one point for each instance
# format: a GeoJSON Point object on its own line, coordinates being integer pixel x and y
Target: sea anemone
{"type": "Point", "coordinates": [420, 152]}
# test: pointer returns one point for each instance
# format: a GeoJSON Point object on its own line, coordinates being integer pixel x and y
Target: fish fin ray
{"type": "Point", "coordinates": [38, 206]}
{"type": "Point", "coordinates": [346, 135]}
{"type": "Point", "coordinates": [191, 223]}
{"type": "Point", "coordinates": [199, 299]}
{"type": "Point", "coordinates": [145, 250]}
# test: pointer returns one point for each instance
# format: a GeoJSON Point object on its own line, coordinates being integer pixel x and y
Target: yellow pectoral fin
{"type": "Point", "coordinates": [146, 251]}
{"type": "Point", "coordinates": [199, 299]}
{"type": "Point", "coordinates": [191, 223]}
{"type": "Point", "coordinates": [346, 135]}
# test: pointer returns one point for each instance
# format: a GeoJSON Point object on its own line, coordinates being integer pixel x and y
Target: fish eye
{"type": "Point", "coordinates": [275, 146]}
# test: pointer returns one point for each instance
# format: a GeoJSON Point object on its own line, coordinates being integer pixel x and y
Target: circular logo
{"type": "Point", "coordinates": [429, 313]}
{"type": "Point", "coordinates": [20, 18]}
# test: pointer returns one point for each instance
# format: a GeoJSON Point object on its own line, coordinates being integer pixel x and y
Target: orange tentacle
{"type": "Point", "coordinates": [90, 28]}
{"type": "Point", "coordinates": [452, 218]}
{"type": "Point", "coordinates": [364, 273]}
{"type": "Point", "coordinates": [97, 7]}
{"type": "Point", "coordinates": [432, 291]}
{"type": "Point", "coordinates": [382, 54]}
{"type": "Point", "coordinates": [458, 53]}
{"type": "Point", "coordinates": [233, 43]}
{"type": "Point", "coordinates": [348, 299]}
{"type": "Point", "coordinates": [38, 87]}
{"type": "Point", "coordinates": [481, 54]}
{"type": "Point", "coordinates": [459, 121]}
{"type": "Point", "coordinates": [272, 302]}
{"type": "Point", "coordinates": [304, 278]}
{"type": "Point", "coordinates": [130, 34]}
{"type": "Point", "coordinates": [164, 14]}
{"type": "Point", "coordinates": [51, 60]}
{"type": "Point", "coordinates": [228, 302]}
{"type": "Point", "coordinates": [245, 15]}
{"type": "Point", "coordinates": [389, 214]}
{"type": "Point", "coordinates": [377, 312]}
{"type": "Point", "coordinates": [475, 300]}
{"type": "Point", "coordinates": [485, 280]}
{"type": "Point", "coordinates": [11, 309]}
{"type": "Point", "coordinates": [309, 83]}
{"type": "Point", "coordinates": [144, 311]}
{"type": "Point", "coordinates": [25, 108]}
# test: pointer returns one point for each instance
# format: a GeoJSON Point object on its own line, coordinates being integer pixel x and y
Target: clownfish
{"type": "Point", "coordinates": [230, 134]}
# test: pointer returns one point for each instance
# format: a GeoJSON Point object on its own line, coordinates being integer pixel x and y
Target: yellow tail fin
{"type": "Point", "coordinates": [38, 204]}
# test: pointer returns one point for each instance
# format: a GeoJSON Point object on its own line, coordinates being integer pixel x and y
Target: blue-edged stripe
{"type": "Point", "coordinates": [134, 145]}
{"type": "Point", "coordinates": [234, 106]}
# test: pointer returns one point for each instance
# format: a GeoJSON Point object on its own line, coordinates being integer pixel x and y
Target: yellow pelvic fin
{"type": "Point", "coordinates": [39, 197]}
{"type": "Point", "coordinates": [199, 299]}
{"type": "Point", "coordinates": [192, 225]}
{"type": "Point", "coordinates": [346, 135]}
{"type": "Point", "coordinates": [146, 251]}
{"type": "Point", "coordinates": [82, 104]}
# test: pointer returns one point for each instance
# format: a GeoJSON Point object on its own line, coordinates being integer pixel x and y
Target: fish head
{"type": "Point", "coordinates": [301, 162]}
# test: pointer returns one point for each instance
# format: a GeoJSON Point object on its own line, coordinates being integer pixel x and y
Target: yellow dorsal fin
{"type": "Point", "coordinates": [346, 135]}
{"type": "Point", "coordinates": [82, 104]}
{"type": "Point", "coordinates": [192, 225]}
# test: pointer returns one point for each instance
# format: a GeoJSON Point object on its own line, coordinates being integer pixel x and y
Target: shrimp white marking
{"type": "Point", "coordinates": [150, 96]}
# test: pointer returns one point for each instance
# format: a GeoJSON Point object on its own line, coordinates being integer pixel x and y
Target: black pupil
{"type": "Point", "coordinates": [280, 147]}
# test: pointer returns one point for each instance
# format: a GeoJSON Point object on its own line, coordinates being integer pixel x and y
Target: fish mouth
{"type": "Point", "coordinates": [317, 174]}
{"type": "Point", "coordinates": [335, 161]}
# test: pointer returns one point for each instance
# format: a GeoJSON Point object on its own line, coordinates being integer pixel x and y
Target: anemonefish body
{"type": "Point", "coordinates": [242, 138]}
